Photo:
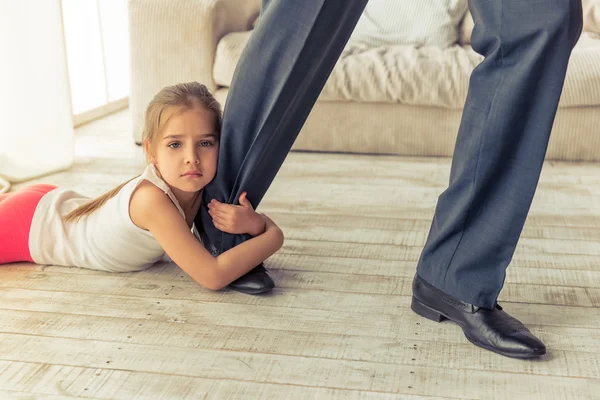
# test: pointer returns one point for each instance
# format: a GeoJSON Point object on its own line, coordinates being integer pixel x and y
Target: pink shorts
{"type": "Point", "coordinates": [16, 214]}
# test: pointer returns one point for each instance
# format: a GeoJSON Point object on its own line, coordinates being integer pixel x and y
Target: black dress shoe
{"type": "Point", "coordinates": [256, 281]}
{"type": "Point", "coordinates": [492, 329]}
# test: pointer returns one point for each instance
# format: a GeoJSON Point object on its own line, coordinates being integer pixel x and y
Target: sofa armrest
{"type": "Point", "coordinates": [175, 41]}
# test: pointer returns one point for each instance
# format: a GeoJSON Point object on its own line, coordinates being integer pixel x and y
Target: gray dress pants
{"type": "Point", "coordinates": [508, 115]}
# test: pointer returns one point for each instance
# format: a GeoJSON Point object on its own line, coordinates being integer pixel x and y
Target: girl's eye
{"type": "Point", "coordinates": [174, 145]}
{"type": "Point", "coordinates": [205, 144]}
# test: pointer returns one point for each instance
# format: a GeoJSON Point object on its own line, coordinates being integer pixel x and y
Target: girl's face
{"type": "Point", "coordinates": [186, 153]}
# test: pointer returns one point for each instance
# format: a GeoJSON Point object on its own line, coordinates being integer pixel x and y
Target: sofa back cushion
{"type": "Point", "coordinates": [591, 21]}
{"type": "Point", "coordinates": [419, 23]}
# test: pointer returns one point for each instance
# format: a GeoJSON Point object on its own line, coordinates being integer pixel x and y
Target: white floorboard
{"type": "Point", "coordinates": [338, 325]}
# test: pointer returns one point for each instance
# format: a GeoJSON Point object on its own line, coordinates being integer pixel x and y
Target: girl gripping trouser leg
{"type": "Point", "coordinates": [16, 214]}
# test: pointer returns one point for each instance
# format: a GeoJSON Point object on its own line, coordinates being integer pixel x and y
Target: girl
{"type": "Point", "coordinates": [134, 225]}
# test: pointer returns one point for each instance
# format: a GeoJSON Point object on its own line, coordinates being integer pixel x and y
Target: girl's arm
{"type": "Point", "coordinates": [151, 209]}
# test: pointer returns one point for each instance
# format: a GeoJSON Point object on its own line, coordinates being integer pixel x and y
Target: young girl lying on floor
{"type": "Point", "coordinates": [135, 224]}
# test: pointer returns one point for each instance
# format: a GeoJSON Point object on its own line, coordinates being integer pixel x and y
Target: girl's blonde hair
{"type": "Point", "coordinates": [178, 98]}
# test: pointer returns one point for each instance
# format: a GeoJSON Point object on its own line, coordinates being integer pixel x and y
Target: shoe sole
{"type": "Point", "coordinates": [437, 316]}
{"type": "Point", "coordinates": [253, 292]}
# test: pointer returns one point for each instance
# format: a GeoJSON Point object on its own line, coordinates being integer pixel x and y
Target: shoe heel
{"type": "Point", "coordinates": [425, 311]}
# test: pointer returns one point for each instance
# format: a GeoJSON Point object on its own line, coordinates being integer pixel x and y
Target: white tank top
{"type": "Point", "coordinates": [105, 240]}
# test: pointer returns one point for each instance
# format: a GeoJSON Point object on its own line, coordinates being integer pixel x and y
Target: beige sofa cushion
{"type": "Point", "coordinates": [426, 76]}
{"type": "Point", "coordinates": [419, 23]}
{"type": "Point", "coordinates": [591, 21]}
{"type": "Point", "coordinates": [466, 29]}
{"type": "Point", "coordinates": [229, 50]}
{"type": "Point", "coordinates": [591, 16]}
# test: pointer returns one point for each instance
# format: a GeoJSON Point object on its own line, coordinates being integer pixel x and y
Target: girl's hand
{"type": "Point", "coordinates": [236, 219]}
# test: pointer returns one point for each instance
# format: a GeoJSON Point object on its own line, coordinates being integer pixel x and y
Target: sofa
{"type": "Point", "coordinates": [402, 99]}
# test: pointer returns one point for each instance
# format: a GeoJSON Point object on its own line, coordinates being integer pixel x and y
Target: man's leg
{"type": "Point", "coordinates": [279, 76]}
{"type": "Point", "coordinates": [509, 111]}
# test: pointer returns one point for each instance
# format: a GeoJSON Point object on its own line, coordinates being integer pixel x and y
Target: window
{"type": "Point", "coordinates": [97, 44]}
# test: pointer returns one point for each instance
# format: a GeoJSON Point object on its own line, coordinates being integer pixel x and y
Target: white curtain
{"type": "Point", "coordinates": [36, 123]}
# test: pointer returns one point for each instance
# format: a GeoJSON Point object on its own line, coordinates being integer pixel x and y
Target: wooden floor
{"type": "Point", "coordinates": [338, 325]}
